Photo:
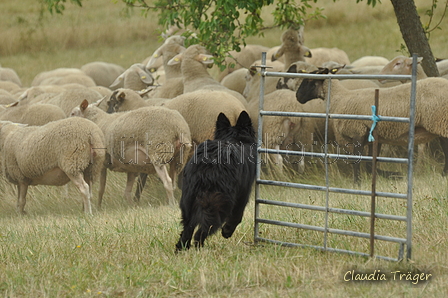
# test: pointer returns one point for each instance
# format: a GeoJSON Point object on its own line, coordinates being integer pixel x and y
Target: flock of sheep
{"type": "Point", "coordinates": [76, 124]}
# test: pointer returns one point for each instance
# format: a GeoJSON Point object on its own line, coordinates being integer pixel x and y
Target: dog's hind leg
{"type": "Point", "coordinates": [184, 242]}
{"type": "Point", "coordinates": [211, 223]}
{"type": "Point", "coordinates": [235, 219]}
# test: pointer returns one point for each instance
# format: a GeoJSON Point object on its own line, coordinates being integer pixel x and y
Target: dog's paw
{"type": "Point", "coordinates": [226, 232]}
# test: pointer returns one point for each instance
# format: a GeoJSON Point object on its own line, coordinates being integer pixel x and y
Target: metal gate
{"type": "Point", "coordinates": [324, 231]}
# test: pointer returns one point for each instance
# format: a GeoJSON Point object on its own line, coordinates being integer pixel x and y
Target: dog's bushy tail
{"type": "Point", "coordinates": [213, 208]}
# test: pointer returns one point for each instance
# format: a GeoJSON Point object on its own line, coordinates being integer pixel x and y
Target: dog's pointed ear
{"type": "Point", "coordinates": [244, 120]}
{"type": "Point", "coordinates": [222, 122]}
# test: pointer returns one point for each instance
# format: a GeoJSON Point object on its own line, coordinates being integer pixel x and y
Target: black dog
{"type": "Point", "coordinates": [217, 181]}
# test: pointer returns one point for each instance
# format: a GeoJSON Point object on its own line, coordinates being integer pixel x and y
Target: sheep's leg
{"type": "Point", "coordinates": [129, 184]}
{"type": "Point", "coordinates": [167, 182]}
{"type": "Point", "coordinates": [421, 149]}
{"type": "Point", "coordinates": [356, 164]}
{"type": "Point", "coordinates": [141, 181]}
{"type": "Point", "coordinates": [382, 173]}
{"type": "Point", "coordinates": [444, 145]}
{"type": "Point", "coordinates": [173, 174]}
{"type": "Point", "coordinates": [22, 189]}
{"type": "Point", "coordinates": [278, 159]}
{"type": "Point", "coordinates": [83, 187]}
{"type": "Point", "coordinates": [102, 186]}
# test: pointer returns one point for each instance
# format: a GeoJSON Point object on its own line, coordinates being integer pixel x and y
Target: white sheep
{"type": "Point", "coordinates": [35, 114]}
{"type": "Point", "coordinates": [70, 149]}
{"type": "Point", "coordinates": [6, 97]}
{"type": "Point", "coordinates": [81, 79]}
{"type": "Point", "coordinates": [173, 85]}
{"type": "Point", "coordinates": [322, 55]}
{"type": "Point", "coordinates": [370, 61]}
{"type": "Point", "coordinates": [289, 133]}
{"type": "Point", "coordinates": [71, 98]}
{"type": "Point", "coordinates": [10, 75]}
{"type": "Point", "coordinates": [194, 61]}
{"type": "Point", "coordinates": [430, 117]}
{"type": "Point", "coordinates": [402, 65]}
{"type": "Point", "coordinates": [253, 78]}
{"type": "Point", "coordinates": [55, 73]}
{"type": "Point", "coordinates": [10, 86]}
{"type": "Point", "coordinates": [102, 73]}
{"type": "Point", "coordinates": [136, 77]}
{"type": "Point", "coordinates": [145, 140]}
{"type": "Point", "coordinates": [292, 48]}
{"type": "Point", "coordinates": [242, 59]}
{"type": "Point", "coordinates": [236, 80]}
{"type": "Point", "coordinates": [126, 100]}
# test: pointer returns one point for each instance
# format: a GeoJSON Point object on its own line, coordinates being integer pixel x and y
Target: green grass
{"type": "Point", "coordinates": [124, 251]}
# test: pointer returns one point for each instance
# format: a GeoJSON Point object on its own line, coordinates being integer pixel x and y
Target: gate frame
{"type": "Point", "coordinates": [408, 196]}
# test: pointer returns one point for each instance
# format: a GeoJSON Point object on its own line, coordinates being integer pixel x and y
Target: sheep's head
{"type": "Point", "coordinates": [115, 101]}
{"type": "Point", "coordinates": [311, 88]}
{"type": "Point", "coordinates": [293, 83]}
{"type": "Point", "coordinates": [79, 111]}
{"type": "Point", "coordinates": [400, 65]}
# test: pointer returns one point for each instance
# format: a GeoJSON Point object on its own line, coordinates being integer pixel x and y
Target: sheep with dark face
{"type": "Point", "coordinates": [430, 118]}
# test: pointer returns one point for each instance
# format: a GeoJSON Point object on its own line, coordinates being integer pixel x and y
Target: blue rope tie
{"type": "Point", "coordinates": [375, 119]}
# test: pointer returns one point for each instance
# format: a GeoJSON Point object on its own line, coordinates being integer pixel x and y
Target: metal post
{"type": "Point", "coordinates": [259, 143]}
{"type": "Point", "coordinates": [411, 156]}
{"type": "Point", "coordinates": [374, 166]}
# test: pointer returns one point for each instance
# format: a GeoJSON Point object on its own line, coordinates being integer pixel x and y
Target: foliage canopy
{"type": "Point", "coordinates": [219, 25]}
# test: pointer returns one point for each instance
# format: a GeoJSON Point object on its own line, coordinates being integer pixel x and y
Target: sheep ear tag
{"type": "Point", "coordinates": [145, 77]}
{"type": "Point", "coordinates": [205, 59]}
{"type": "Point", "coordinates": [175, 60]}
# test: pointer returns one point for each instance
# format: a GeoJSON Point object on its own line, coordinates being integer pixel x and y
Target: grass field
{"type": "Point", "coordinates": [123, 251]}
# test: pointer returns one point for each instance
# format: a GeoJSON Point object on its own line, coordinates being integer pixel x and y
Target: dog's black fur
{"type": "Point", "coordinates": [217, 181]}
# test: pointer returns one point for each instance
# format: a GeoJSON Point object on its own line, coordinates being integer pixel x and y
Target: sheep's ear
{"type": "Point", "coordinates": [277, 54]}
{"type": "Point", "coordinates": [409, 60]}
{"type": "Point", "coordinates": [121, 96]}
{"type": "Point", "coordinates": [12, 104]}
{"type": "Point", "coordinates": [205, 59]}
{"type": "Point", "coordinates": [157, 54]}
{"type": "Point", "coordinates": [307, 53]}
{"type": "Point", "coordinates": [84, 104]}
{"type": "Point", "coordinates": [117, 80]}
{"type": "Point", "coordinates": [292, 68]}
{"type": "Point", "coordinates": [145, 77]}
{"type": "Point", "coordinates": [175, 60]}
{"type": "Point", "coordinates": [252, 70]}
{"type": "Point", "coordinates": [336, 69]}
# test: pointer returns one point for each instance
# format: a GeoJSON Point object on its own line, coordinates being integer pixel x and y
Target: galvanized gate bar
{"type": "Point", "coordinates": [330, 230]}
{"type": "Point", "coordinates": [333, 155]}
{"type": "Point", "coordinates": [333, 116]}
{"type": "Point", "coordinates": [332, 76]}
{"type": "Point", "coordinates": [326, 156]}
{"type": "Point", "coordinates": [332, 189]}
{"type": "Point", "coordinates": [331, 210]}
